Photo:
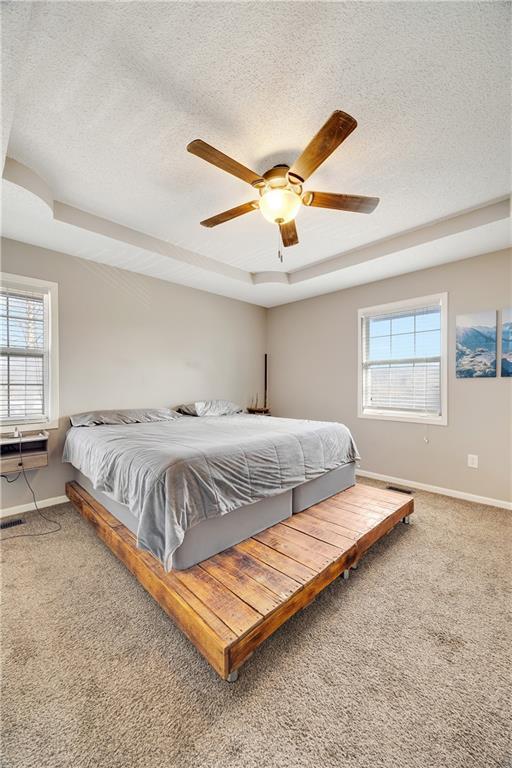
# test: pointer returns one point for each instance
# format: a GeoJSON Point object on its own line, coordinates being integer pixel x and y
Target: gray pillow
{"type": "Point", "coordinates": [132, 416]}
{"type": "Point", "coordinates": [209, 408]}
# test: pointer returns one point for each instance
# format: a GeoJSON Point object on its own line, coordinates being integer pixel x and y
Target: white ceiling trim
{"type": "Point", "coordinates": [24, 177]}
{"type": "Point", "coordinates": [21, 176]}
{"type": "Point", "coordinates": [487, 214]}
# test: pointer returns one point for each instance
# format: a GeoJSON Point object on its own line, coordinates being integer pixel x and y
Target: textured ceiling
{"type": "Point", "coordinates": [109, 95]}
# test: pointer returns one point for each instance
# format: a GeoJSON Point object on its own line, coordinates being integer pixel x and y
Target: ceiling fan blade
{"type": "Point", "coordinates": [355, 203]}
{"type": "Point", "coordinates": [328, 138]}
{"type": "Point", "coordinates": [220, 218]}
{"type": "Point", "coordinates": [225, 163]}
{"type": "Point", "coordinates": [289, 234]}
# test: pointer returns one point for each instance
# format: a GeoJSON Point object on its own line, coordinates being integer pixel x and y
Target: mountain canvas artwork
{"type": "Point", "coordinates": [476, 345]}
{"type": "Point", "coordinates": [506, 342]}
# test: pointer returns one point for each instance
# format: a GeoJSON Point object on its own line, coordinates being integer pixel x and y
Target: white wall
{"type": "Point", "coordinates": [127, 341]}
{"type": "Point", "coordinates": [312, 348]}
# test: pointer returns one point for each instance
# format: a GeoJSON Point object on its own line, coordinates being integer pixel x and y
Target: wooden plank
{"type": "Point", "coordinates": [281, 562]}
{"type": "Point", "coordinates": [240, 583]}
{"type": "Point", "coordinates": [319, 529]}
{"type": "Point", "coordinates": [85, 508]}
{"type": "Point", "coordinates": [347, 518]}
{"type": "Point", "coordinates": [304, 549]}
{"type": "Point", "coordinates": [369, 511]}
{"type": "Point", "coordinates": [78, 495]}
{"type": "Point", "coordinates": [383, 494]}
{"type": "Point", "coordinates": [245, 646]}
{"type": "Point", "coordinates": [382, 502]}
{"type": "Point", "coordinates": [330, 517]}
{"type": "Point", "coordinates": [221, 601]}
{"type": "Point", "coordinates": [369, 503]}
{"type": "Point", "coordinates": [191, 624]}
{"type": "Point", "coordinates": [311, 544]}
{"type": "Point", "coordinates": [169, 581]}
{"type": "Point", "coordinates": [377, 532]}
{"type": "Point", "coordinates": [275, 581]}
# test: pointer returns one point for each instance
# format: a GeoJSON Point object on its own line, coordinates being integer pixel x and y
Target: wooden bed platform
{"type": "Point", "coordinates": [229, 604]}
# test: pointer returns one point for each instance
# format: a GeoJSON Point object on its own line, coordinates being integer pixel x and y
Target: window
{"type": "Point", "coordinates": [29, 355]}
{"type": "Point", "coordinates": [403, 361]}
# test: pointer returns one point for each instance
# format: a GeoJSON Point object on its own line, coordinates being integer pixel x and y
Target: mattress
{"type": "Point", "coordinates": [174, 475]}
{"type": "Point", "coordinates": [210, 536]}
{"type": "Point", "coordinates": [312, 492]}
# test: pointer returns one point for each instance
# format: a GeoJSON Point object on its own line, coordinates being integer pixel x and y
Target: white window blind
{"type": "Point", "coordinates": [402, 364]}
{"type": "Point", "coordinates": [24, 363]}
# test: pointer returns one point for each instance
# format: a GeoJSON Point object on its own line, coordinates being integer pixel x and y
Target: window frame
{"type": "Point", "coordinates": [50, 291]}
{"type": "Point", "coordinates": [400, 306]}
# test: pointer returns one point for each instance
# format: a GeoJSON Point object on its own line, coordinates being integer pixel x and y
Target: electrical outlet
{"type": "Point", "coordinates": [472, 460]}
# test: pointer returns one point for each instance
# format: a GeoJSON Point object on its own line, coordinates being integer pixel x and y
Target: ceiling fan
{"type": "Point", "coordinates": [280, 188]}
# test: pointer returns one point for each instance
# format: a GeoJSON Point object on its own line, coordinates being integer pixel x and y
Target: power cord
{"type": "Point", "coordinates": [13, 480]}
{"type": "Point", "coordinates": [48, 519]}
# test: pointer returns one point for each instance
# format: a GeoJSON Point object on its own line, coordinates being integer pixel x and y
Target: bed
{"type": "Point", "coordinates": [190, 487]}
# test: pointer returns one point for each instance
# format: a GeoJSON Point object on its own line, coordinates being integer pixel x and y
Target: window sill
{"type": "Point", "coordinates": [28, 426]}
{"type": "Point", "coordinates": [440, 421]}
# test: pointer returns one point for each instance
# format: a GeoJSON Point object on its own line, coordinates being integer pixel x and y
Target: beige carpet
{"type": "Point", "coordinates": [406, 664]}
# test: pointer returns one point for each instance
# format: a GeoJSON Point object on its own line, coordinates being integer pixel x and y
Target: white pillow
{"type": "Point", "coordinates": [209, 408]}
{"type": "Point", "coordinates": [132, 416]}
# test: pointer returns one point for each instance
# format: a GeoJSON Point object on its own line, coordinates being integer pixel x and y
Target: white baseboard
{"type": "Point", "coordinates": [41, 503]}
{"type": "Point", "coordinates": [436, 489]}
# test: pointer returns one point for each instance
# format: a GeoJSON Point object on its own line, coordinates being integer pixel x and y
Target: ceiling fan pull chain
{"type": "Point", "coordinates": [279, 251]}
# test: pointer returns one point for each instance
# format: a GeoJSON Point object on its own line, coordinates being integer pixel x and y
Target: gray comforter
{"type": "Point", "coordinates": [174, 474]}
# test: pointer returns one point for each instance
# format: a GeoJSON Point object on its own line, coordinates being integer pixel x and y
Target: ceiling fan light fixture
{"type": "Point", "coordinates": [280, 188]}
{"type": "Point", "coordinates": [279, 206]}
